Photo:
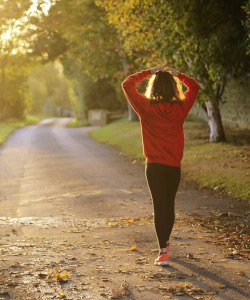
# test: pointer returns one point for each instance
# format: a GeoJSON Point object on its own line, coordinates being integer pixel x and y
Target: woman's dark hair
{"type": "Point", "coordinates": [163, 87]}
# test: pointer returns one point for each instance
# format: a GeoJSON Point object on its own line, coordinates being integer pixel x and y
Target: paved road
{"type": "Point", "coordinates": [49, 162]}
{"type": "Point", "coordinates": [68, 202]}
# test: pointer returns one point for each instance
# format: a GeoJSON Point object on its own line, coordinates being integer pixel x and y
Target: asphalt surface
{"type": "Point", "coordinates": [69, 203]}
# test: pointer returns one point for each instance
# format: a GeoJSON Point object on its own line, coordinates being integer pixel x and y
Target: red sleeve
{"type": "Point", "coordinates": [136, 100]}
{"type": "Point", "coordinates": [191, 93]}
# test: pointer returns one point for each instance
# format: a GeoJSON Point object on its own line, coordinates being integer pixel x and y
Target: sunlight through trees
{"type": "Point", "coordinates": [100, 42]}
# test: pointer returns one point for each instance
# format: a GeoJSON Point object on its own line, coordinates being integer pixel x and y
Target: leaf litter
{"type": "Point", "coordinates": [185, 289]}
{"type": "Point", "coordinates": [121, 292]}
{"type": "Point", "coordinates": [57, 277]}
{"type": "Point", "coordinates": [232, 232]}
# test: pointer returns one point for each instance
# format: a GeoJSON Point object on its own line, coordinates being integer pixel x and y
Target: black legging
{"type": "Point", "coordinates": [163, 182]}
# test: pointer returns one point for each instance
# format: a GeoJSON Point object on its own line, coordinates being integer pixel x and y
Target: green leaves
{"type": "Point", "coordinates": [14, 98]}
{"type": "Point", "coordinates": [206, 39]}
{"type": "Point", "coordinates": [207, 33]}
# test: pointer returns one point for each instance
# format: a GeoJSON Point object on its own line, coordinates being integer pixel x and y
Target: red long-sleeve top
{"type": "Point", "coordinates": [161, 123]}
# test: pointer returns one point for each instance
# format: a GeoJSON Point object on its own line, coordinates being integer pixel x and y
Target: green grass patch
{"type": "Point", "coordinates": [221, 166]}
{"type": "Point", "coordinates": [78, 123]}
{"type": "Point", "coordinates": [124, 135]}
{"type": "Point", "coordinates": [8, 127]}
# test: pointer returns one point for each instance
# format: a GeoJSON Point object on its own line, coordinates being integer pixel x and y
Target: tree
{"type": "Point", "coordinates": [99, 94]}
{"type": "Point", "coordinates": [219, 53]}
{"type": "Point", "coordinates": [246, 23]}
{"type": "Point", "coordinates": [14, 99]}
{"type": "Point", "coordinates": [47, 87]}
{"type": "Point", "coordinates": [204, 38]}
{"type": "Point", "coordinates": [14, 65]}
{"type": "Point", "coordinates": [87, 41]}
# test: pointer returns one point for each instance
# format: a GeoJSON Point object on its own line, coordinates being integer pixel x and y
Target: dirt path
{"type": "Point", "coordinates": [72, 207]}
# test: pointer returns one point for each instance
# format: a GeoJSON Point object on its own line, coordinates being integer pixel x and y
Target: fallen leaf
{"type": "Point", "coordinates": [62, 295]}
{"type": "Point", "coordinates": [112, 224]}
{"type": "Point", "coordinates": [55, 275]}
{"type": "Point", "coordinates": [123, 291]}
{"type": "Point", "coordinates": [220, 286]}
{"type": "Point", "coordinates": [130, 221]}
{"type": "Point", "coordinates": [240, 273]}
{"type": "Point", "coordinates": [132, 248]}
{"type": "Point", "coordinates": [134, 186]}
{"type": "Point", "coordinates": [106, 279]}
{"type": "Point", "coordinates": [124, 271]}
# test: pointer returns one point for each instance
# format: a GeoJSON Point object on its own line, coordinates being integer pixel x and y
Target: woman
{"type": "Point", "coordinates": [162, 114]}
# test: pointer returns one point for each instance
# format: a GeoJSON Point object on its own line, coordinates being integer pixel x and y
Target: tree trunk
{"type": "Point", "coordinates": [215, 124]}
{"type": "Point", "coordinates": [3, 112]}
{"type": "Point", "coordinates": [132, 116]}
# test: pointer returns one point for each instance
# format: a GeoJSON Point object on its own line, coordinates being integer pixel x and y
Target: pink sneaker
{"type": "Point", "coordinates": [162, 260]}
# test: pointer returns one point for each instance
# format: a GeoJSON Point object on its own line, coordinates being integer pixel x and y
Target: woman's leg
{"type": "Point", "coordinates": [163, 182]}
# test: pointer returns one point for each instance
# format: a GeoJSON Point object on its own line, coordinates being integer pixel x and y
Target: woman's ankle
{"type": "Point", "coordinates": [164, 250]}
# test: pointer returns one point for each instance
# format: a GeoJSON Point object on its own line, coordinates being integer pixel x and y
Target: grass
{"type": "Point", "coordinates": [8, 127]}
{"type": "Point", "coordinates": [78, 123]}
{"type": "Point", "coordinates": [220, 166]}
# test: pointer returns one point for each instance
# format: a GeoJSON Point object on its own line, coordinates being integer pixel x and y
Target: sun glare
{"type": "Point", "coordinates": [34, 7]}
{"type": "Point", "coordinates": [6, 35]}
{"type": "Point", "coordinates": [14, 30]}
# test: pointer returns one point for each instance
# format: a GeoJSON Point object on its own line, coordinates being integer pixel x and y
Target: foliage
{"type": "Point", "coordinates": [99, 94]}
{"type": "Point", "coordinates": [77, 28]}
{"type": "Point", "coordinates": [15, 66]}
{"type": "Point", "coordinates": [14, 98]}
{"type": "Point", "coordinates": [12, 10]}
{"type": "Point", "coordinates": [48, 88]}
{"type": "Point", "coordinates": [105, 39]}
{"type": "Point", "coordinates": [246, 23]}
{"type": "Point", "coordinates": [17, 94]}
{"type": "Point", "coordinates": [92, 41]}
{"type": "Point", "coordinates": [88, 49]}
{"type": "Point", "coordinates": [204, 38]}
{"type": "Point", "coordinates": [87, 93]}
{"type": "Point", "coordinates": [74, 77]}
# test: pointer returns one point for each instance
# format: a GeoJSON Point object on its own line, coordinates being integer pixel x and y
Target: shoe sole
{"type": "Point", "coordinates": [162, 263]}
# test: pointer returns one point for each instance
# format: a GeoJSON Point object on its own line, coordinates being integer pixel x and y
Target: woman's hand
{"type": "Point", "coordinates": [171, 70]}
{"type": "Point", "coordinates": [155, 69]}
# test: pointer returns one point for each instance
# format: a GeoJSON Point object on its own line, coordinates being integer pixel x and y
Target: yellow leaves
{"type": "Point", "coordinates": [137, 221]}
{"type": "Point", "coordinates": [62, 295]}
{"type": "Point", "coordinates": [125, 271]}
{"type": "Point", "coordinates": [55, 275]}
{"type": "Point", "coordinates": [220, 286]}
{"type": "Point", "coordinates": [112, 224]}
{"type": "Point", "coordinates": [130, 221]}
{"type": "Point", "coordinates": [241, 273]}
{"type": "Point", "coordinates": [134, 186]}
{"type": "Point", "coordinates": [133, 248]}
{"type": "Point", "coordinates": [63, 277]}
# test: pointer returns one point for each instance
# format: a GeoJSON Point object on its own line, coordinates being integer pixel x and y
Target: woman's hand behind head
{"type": "Point", "coordinates": [171, 70]}
{"type": "Point", "coordinates": [155, 69]}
